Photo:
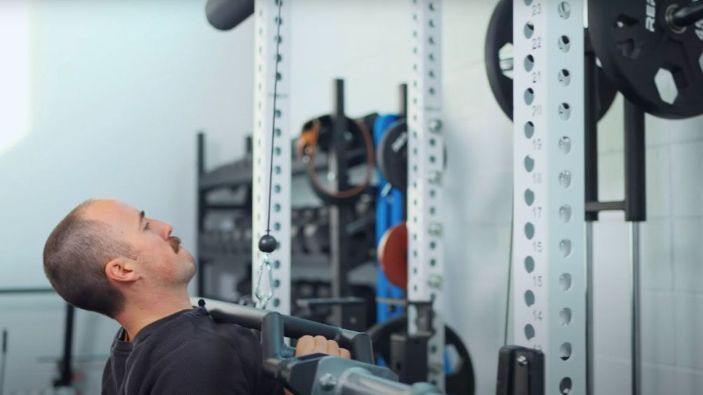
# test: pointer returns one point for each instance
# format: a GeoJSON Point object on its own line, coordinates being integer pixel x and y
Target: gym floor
{"type": "Point", "coordinates": [106, 98]}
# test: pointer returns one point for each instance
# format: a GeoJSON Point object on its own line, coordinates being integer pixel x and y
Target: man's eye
{"type": "Point", "coordinates": [146, 227]}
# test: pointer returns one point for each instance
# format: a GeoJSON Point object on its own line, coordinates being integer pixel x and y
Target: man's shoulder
{"type": "Point", "coordinates": [198, 333]}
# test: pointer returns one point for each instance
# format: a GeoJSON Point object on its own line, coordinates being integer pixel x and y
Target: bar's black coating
{"type": "Point", "coordinates": [688, 15]}
{"type": "Point", "coordinates": [357, 342]}
{"type": "Point", "coordinates": [66, 376]}
{"type": "Point", "coordinates": [618, 205]}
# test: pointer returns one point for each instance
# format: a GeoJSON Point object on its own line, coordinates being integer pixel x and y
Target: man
{"type": "Point", "coordinates": [108, 257]}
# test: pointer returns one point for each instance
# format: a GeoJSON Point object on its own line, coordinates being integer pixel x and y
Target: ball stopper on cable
{"type": "Point", "coordinates": [267, 244]}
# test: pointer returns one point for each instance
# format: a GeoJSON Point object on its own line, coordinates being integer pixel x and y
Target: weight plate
{"type": "Point", "coordinates": [392, 155]}
{"type": "Point", "coordinates": [499, 67]}
{"type": "Point", "coordinates": [393, 255]}
{"type": "Point", "coordinates": [356, 145]}
{"type": "Point", "coordinates": [460, 381]}
{"type": "Point", "coordinates": [655, 67]}
{"type": "Point", "coordinates": [499, 63]}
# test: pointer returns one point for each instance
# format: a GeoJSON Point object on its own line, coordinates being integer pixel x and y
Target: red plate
{"type": "Point", "coordinates": [393, 255]}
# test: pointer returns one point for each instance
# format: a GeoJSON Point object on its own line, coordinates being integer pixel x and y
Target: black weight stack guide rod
{"type": "Point", "coordinates": [635, 212]}
{"type": "Point", "coordinates": [340, 214]}
{"type": "Point", "coordinates": [633, 205]}
{"type": "Point", "coordinates": [66, 373]}
{"type": "Point", "coordinates": [200, 282]}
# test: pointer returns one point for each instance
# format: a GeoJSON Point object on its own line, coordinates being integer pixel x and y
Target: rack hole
{"type": "Point", "coordinates": [565, 316]}
{"type": "Point", "coordinates": [565, 178]}
{"type": "Point", "coordinates": [564, 77]}
{"type": "Point", "coordinates": [529, 96]}
{"type": "Point", "coordinates": [565, 351]}
{"type": "Point", "coordinates": [565, 281]}
{"type": "Point", "coordinates": [529, 197]}
{"type": "Point", "coordinates": [530, 264]}
{"type": "Point", "coordinates": [565, 386]}
{"type": "Point", "coordinates": [564, 10]}
{"type": "Point", "coordinates": [565, 213]}
{"type": "Point", "coordinates": [565, 247]}
{"type": "Point", "coordinates": [529, 62]}
{"type": "Point", "coordinates": [564, 111]}
{"type": "Point", "coordinates": [529, 163]}
{"type": "Point", "coordinates": [564, 43]}
{"type": "Point", "coordinates": [529, 230]}
{"type": "Point", "coordinates": [529, 129]}
{"type": "Point", "coordinates": [565, 144]}
{"type": "Point", "coordinates": [529, 332]}
{"type": "Point", "coordinates": [529, 298]}
{"type": "Point", "coordinates": [529, 29]}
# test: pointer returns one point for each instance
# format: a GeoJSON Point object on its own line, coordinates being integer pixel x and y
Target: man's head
{"type": "Point", "coordinates": [104, 253]}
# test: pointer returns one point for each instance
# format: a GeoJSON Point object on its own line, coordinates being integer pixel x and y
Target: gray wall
{"type": "Point", "coordinates": [118, 89]}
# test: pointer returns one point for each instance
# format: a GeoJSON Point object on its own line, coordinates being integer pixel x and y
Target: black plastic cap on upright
{"type": "Point", "coordinates": [228, 14]}
{"type": "Point", "coordinates": [267, 244]}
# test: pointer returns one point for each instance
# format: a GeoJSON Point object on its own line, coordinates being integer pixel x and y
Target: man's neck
{"type": "Point", "coordinates": [140, 313]}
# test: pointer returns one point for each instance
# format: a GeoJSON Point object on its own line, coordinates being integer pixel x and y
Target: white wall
{"type": "Point", "coordinates": [118, 90]}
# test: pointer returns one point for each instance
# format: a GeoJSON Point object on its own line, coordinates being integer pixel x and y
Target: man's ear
{"type": "Point", "coordinates": [121, 270]}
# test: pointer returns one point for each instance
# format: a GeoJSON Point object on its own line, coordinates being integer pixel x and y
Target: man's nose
{"type": "Point", "coordinates": [169, 229]}
{"type": "Point", "coordinates": [165, 230]}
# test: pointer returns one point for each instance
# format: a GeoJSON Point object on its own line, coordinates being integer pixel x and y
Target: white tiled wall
{"type": "Point", "coordinates": [671, 270]}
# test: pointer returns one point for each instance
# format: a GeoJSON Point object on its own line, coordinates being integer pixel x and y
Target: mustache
{"type": "Point", "coordinates": [175, 243]}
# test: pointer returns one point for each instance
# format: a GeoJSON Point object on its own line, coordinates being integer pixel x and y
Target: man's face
{"type": "Point", "coordinates": [160, 259]}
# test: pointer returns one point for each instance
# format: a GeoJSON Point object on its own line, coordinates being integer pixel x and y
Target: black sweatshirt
{"type": "Point", "coordinates": [187, 353]}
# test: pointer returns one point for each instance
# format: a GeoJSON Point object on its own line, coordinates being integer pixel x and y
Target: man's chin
{"type": "Point", "coordinates": [184, 253]}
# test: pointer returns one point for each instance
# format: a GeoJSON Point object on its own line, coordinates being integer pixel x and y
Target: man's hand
{"type": "Point", "coordinates": [318, 344]}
